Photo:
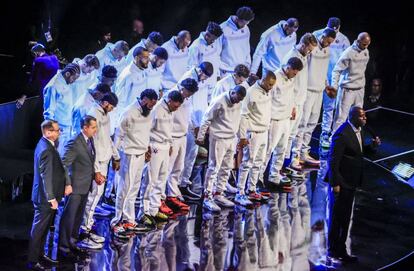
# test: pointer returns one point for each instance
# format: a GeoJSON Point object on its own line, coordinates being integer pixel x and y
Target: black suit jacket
{"type": "Point", "coordinates": [346, 158]}
{"type": "Point", "coordinates": [49, 174]}
{"type": "Point", "coordinates": [79, 163]}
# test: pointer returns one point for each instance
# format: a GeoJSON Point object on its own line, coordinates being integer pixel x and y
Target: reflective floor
{"type": "Point", "coordinates": [286, 233]}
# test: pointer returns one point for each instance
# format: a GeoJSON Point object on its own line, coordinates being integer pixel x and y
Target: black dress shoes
{"type": "Point", "coordinates": [346, 258]}
{"type": "Point", "coordinates": [36, 266]}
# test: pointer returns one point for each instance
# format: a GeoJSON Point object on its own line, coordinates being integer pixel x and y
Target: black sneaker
{"type": "Point", "coordinates": [188, 194]}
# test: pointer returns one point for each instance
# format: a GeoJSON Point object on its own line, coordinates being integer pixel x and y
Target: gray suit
{"type": "Point", "coordinates": [48, 184]}
{"type": "Point", "coordinates": [78, 160]}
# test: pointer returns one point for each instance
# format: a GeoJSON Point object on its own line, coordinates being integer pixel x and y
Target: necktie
{"type": "Point", "coordinates": [90, 146]}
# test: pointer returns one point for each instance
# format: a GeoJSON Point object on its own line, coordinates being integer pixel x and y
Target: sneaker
{"type": "Point", "coordinates": [254, 196]}
{"type": "Point", "coordinates": [165, 209]}
{"type": "Point", "coordinates": [129, 226]}
{"type": "Point", "coordinates": [176, 205]}
{"type": "Point", "coordinates": [285, 184]}
{"type": "Point", "coordinates": [188, 194]}
{"type": "Point", "coordinates": [161, 217]}
{"type": "Point", "coordinates": [293, 174]}
{"type": "Point", "coordinates": [223, 201]}
{"type": "Point", "coordinates": [136, 227]}
{"type": "Point", "coordinates": [99, 211]}
{"type": "Point", "coordinates": [309, 160]}
{"type": "Point", "coordinates": [230, 189]}
{"type": "Point", "coordinates": [96, 238]}
{"type": "Point", "coordinates": [148, 221]}
{"type": "Point", "coordinates": [88, 243]}
{"type": "Point", "coordinates": [242, 200]}
{"type": "Point", "coordinates": [325, 140]}
{"type": "Point", "coordinates": [295, 164]}
{"type": "Point", "coordinates": [209, 204]}
{"type": "Point", "coordinates": [119, 231]}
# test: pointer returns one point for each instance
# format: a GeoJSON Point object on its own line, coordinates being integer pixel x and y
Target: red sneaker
{"type": "Point", "coordinates": [265, 193]}
{"type": "Point", "coordinates": [177, 205]}
{"type": "Point", "coordinates": [253, 196]}
{"type": "Point", "coordinates": [165, 209]}
{"type": "Point", "coordinates": [128, 226]}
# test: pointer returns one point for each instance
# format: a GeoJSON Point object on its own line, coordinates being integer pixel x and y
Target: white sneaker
{"type": "Point", "coordinates": [310, 160]}
{"type": "Point", "coordinates": [295, 164]}
{"type": "Point", "coordinates": [230, 189]}
{"type": "Point", "coordinates": [88, 243]}
{"type": "Point", "coordinates": [210, 205]}
{"type": "Point", "coordinates": [242, 200]}
{"type": "Point", "coordinates": [223, 201]}
{"type": "Point", "coordinates": [96, 238]}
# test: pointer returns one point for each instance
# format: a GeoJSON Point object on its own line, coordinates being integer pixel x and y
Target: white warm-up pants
{"type": "Point", "coordinates": [294, 128]}
{"type": "Point", "coordinates": [94, 196]}
{"type": "Point", "coordinates": [345, 99]}
{"type": "Point", "coordinates": [128, 179]}
{"type": "Point", "coordinates": [328, 105]}
{"type": "Point", "coordinates": [176, 166]}
{"type": "Point", "coordinates": [191, 152]}
{"type": "Point", "coordinates": [276, 146]}
{"type": "Point", "coordinates": [155, 180]}
{"type": "Point", "coordinates": [220, 162]}
{"type": "Point", "coordinates": [308, 122]}
{"type": "Point", "coordinates": [253, 156]}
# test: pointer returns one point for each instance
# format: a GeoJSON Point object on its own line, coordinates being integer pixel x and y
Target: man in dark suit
{"type": "Point", "coordinates": [48, 189]}
{"type": "Point", "coordinates": [345, 175]}
{"type": "Point", "coordinates": [78, 160]}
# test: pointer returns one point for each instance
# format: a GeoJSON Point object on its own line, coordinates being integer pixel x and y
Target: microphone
{"type": "Point", "coordinates": [370, 131]}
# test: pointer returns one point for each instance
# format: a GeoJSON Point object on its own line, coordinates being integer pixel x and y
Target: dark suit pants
{"type": "Point", "coordinates": [71, 221]}
{"type": "Point", "coordinates": [42, 220]}
{"type": "Point", "coordinates": [341, 210]}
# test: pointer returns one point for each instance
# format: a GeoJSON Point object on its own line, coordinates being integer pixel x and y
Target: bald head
{"type": "Point", "coordinates": [183, 39]}
{"type": "Point", "coordinates": [364, 40]}
{"type": "Point", "coordinates": [357, 116]}
{"type": "Point", "coordinates": [364, 35]}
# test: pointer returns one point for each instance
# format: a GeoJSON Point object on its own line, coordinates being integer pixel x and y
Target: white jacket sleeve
{"type": "Point", "coordinates": [340, 66]}
{"type": "Point", "coordinates": [193, 60]}
{"type": "Point", "coordinates": [49, 105]}
{"type": "Point", "coordinates": [245, 118]}
{"type": "Point", "coordinates": [206, 121]}
{"type": "Point", "coordinates": [248, 57]}
{"type": "Point", "coordinates": [259, 53]}
{"type": "Point", "coordinates": [120, 132]}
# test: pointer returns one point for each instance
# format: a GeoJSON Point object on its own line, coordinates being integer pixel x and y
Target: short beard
{"type": "Point", "coordinates": [145, 110]}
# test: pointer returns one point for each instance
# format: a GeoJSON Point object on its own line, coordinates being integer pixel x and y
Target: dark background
{"type": "Point", "coordinates": [76, 25]}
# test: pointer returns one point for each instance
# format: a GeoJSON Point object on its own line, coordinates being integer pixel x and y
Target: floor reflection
{"type": "Point", "coordinates": [286, 233]}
